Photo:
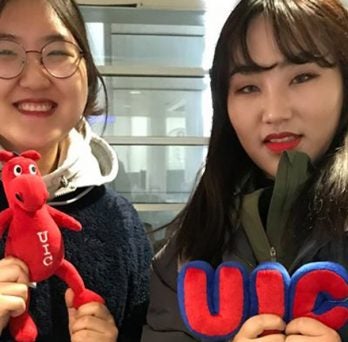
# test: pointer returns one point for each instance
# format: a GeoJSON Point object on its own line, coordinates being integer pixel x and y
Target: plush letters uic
{"type": "Point", "coordinates": [215, 303]}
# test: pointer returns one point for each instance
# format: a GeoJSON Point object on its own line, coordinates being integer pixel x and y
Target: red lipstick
{"type": "Point", "coordinates": [280, 142]}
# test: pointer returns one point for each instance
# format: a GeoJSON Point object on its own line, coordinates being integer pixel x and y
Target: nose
{"type": "Point", "coordinates": [276, 107]}
{"type": "Point", "coordinates": [34, 76]}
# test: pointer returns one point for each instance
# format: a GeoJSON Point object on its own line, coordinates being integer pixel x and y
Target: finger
{"type": "Point", "coordinates": [72, 312]}
{"type": "Point", "coordinates": [94, 309]}
{"type": "Point", "coordinates": [307, 326]}
{"type": "Point", "coordinates": [256, 325]}
{"type": "Point", "coordinates": [12, 305]}
{"type": "Point", "coordinates": [301, 338]}
{"type": "Point", "coordinates": [92, 323]}
{"type": "Point", "coordinates": [13, 270]}
{"type": "Point", "coordinates": [86, 336]}
{"type": "Point", "coordinates": [9, 260]}
{"type": "Point", "coordinates": [272, 338]}
{"type": "Point", "coordinates": [69, 298]}
{"type": "Point", "coordinates": [14, 289]}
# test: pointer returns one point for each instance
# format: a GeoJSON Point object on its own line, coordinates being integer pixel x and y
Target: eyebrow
{"type": "Point", "coordinates": [45, 39]}
{"type": "Point", "coordinates": [257, 69]}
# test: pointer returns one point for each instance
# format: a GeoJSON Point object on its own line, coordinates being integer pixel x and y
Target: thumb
{"type": "Point", "coordinates": [69, 298]}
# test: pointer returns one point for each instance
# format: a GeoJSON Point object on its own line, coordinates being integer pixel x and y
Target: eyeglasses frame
{"type": "Point", "coordinates": [81, 55]}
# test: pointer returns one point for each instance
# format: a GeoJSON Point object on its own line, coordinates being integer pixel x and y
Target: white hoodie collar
{"type": "Point", "coordinates": [85, 160]}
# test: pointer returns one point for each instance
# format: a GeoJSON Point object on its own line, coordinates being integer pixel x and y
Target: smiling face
{"type": "Point", "coordinates": [279, 105]}
{"type": "Point", "coordinates": [38, 110]}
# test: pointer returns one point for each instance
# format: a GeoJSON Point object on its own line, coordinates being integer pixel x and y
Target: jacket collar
{"type": "Point", "coordinates": [293, 171]}
{"type": "Point", "coordinates": [85, 160]}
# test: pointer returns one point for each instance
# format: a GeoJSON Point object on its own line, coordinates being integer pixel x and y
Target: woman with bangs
{"type": "Point", "coordinates": [274, 186]}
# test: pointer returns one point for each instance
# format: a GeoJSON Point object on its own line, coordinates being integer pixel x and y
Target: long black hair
{"type": "Point", "coordinates": [306, 31]}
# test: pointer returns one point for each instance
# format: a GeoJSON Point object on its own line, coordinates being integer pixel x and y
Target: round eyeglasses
{"type": "Point", "coordinates": [60, 58]}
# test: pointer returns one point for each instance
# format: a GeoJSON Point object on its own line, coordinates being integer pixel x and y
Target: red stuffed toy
{"type": "Point", "coordinates": [34, 236]}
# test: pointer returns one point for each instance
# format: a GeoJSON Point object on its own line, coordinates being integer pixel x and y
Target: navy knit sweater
{"type": "Point", "coordinates": [112, 254]}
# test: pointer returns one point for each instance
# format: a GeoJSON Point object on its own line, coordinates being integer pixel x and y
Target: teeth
{"type": "Point", "coordinates": [35, 107]}
{"type": "Point", "coordinates": [281, 140]}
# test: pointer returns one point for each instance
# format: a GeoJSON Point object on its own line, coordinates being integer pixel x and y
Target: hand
{"type": "Point", "coordinates": [308, 329]}
{"type": "Point", "coordinates": [14, 279]}
{"type": "Point", "coordinates": [255, 326]}
{"type": "Point", "coordinates": [90, 322]}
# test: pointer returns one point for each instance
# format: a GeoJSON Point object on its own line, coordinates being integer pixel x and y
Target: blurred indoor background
{"type": "Point", "coordinates": [155, 56]}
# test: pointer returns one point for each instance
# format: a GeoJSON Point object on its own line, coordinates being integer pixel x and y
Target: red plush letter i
{"type": "Point", "coordinates": [269, 284]}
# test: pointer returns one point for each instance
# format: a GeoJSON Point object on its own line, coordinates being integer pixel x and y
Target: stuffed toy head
{"type": "Point", "coordinates": [33, 234]}
{"type": "Point", "coordinates": [22, 181]}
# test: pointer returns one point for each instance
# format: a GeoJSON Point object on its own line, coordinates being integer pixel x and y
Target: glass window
{"type": "Point", "coordinates": [158, 174]}
{"type": "Point", "coordinates": [157, 106]}
{"type": "Point", "coordinates": [155, 65]}
{"type": "Point", "coordinates": [140, 36]}
{"type": "Point", "coordinates": [156, 45]}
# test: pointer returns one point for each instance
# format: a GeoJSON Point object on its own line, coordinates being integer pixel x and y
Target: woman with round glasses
{"type": "Point", "coordinates": [48, 86]}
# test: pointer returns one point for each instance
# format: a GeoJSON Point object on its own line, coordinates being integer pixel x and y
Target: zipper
{"type": "Point", "coordinates": [56, 203]}
{"type": "Point", "coordinates": [66, 188]}
{"type": "Point", "coordinates": [273, 253]}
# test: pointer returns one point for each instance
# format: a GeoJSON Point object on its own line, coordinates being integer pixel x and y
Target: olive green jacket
{"type": "Point", "coordinates": [254, 244]}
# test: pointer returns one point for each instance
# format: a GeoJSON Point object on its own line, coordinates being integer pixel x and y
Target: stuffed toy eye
{"type": "Point", "coordinates": [17, 170]}
{"type": "Point", "coordinates": [32, 169]}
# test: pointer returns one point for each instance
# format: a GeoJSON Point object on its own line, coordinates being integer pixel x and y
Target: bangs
{"type": "Point", "coordinates": [301, 36]}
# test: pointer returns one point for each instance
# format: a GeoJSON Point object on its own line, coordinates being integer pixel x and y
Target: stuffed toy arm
{"type": "Point", "coordinates": [64, 220]}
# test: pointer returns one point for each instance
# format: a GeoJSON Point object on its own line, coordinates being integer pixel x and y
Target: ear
{"type": "Point", "coordinates": [6, 155]}
{"type": "Point", "coordinates": [32, 154]}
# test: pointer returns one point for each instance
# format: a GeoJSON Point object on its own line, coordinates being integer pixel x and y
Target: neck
{"type": "Point", "coordinates": [49, 159]}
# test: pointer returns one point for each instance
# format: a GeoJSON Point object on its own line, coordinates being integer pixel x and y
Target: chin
{"type": "Point", "coordinates": [269, 170]}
